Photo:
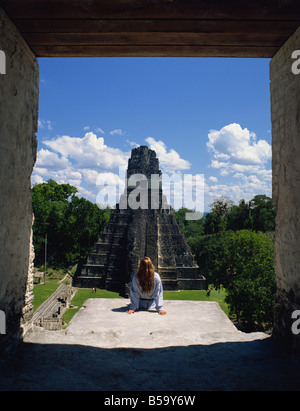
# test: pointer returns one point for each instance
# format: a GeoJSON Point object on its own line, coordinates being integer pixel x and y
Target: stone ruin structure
{"type": "Point", "coordinates": [49, 313]}
{"type": "Point", "coordinates": [150, 230]}
{"type": "Point", "coordinates": [257, 30]}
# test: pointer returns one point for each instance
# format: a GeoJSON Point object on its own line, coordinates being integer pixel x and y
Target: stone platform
{"type": "Point", "coordinates": [194, 347]}
{"type": "Point", "coordinates": [105, 323]}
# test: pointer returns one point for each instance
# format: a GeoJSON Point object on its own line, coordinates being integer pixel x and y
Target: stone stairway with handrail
{"type": "Point", "coordinates": [49, 314]}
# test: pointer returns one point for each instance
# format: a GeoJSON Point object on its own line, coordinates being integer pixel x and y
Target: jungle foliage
{"type": "Point", "coordinates": [65, 226]}
{"type": "Point", "coordinates": [233, 247]}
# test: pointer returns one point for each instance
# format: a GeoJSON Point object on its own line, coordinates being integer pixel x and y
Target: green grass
{"type": "Point", "coordinates": [43, 291]}
{"type": "Point", "coordinates": [199, 295]}
{"type": "Point", "coordinates": [193, 295]}
{"type": "Point", "coordinates": [81, 296]}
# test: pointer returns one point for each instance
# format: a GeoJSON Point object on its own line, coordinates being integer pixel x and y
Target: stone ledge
{"type": "Point", "coordinates": [105, 323]}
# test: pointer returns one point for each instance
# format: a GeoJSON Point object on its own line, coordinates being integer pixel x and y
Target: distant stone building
{"type": "Point", "coordinates": [132, 233]}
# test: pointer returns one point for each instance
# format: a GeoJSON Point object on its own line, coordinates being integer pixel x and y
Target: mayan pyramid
{"type": "Point", "coordinates": [132, 234]}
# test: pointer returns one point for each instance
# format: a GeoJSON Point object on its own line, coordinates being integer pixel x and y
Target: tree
{"type": "Point", "coordinates": [258, 214]}
{"type": "Point", "coordinates": [263, 213]}
{"type": "Point", "coordinates": [214, 223]}
{"type": "Point", "coordinates": [236, 253]}
{"type": "Point", "coordinates": [84, 224]}
{"type": "Point", "coordinates": [212, 255]}
{"type": "Point", "coordinates": [251, 294]}
{"type": "Point", "coordinates": [189, 228]}
{"type": "Point", "coordinates": [72, 224]}
{"type": "Point", "coordinates": [239, 217]}
{"type": "Point", "coordinates": [216, 220]}
{"type": "Point", "coordinates": [221, 206]}
{"type": "Point", "coordinates": [49, 203]}
{"type": "Point", "coordinates": [241, 262]}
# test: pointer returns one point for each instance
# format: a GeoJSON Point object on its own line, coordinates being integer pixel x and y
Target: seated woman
{"type": "Point", "coordinates": [146, 289]}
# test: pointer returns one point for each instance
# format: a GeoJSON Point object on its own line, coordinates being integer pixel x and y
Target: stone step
{"type": "Point", "coordinates": [168, 229]}
{"type": "Point", "coordinates": [167, 274]}
{"type": "Point", "coordinates": [51, 305]}
{"type": "Point", "coordinates": [170, 284]}
{"type": "Point", "coordinates": [116, 262]}
{"type": "Point", "coordinates": [94, 258]}
{"type": "Point", "coordinates": [192, 284]}
{"type": "Point", "coordinates": [108, 248]}
{"type": "Point", "coordinates": [188, 272]}
{"type": "Point", "coordinates": [115, 270]}
{"type": "Point", "coordinates": [93, 269]}
{"type": "Point", "coordinates": [101, 247]}
{"type": "Point", "coordinates": [90, 281]}
{"type": "Point", "coordinates": [169, 235]}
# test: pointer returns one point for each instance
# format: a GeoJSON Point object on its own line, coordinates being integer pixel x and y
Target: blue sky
{"type": "Point", "coordinates": [203, 116]}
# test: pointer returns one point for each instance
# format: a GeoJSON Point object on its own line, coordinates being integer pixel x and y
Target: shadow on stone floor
{"type": "Point", "coordinates": [238, 366]}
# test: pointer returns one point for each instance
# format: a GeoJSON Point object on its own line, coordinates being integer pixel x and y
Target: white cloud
{"type": "Point", "coordinates": [88, 151]}
{"type": "Point", "coordinates": [48, 159]}
{"type": "Point", "coordinates": [117, 131]}
{"type": "Point", "coordinates": [83, 192]}
{"type": "Point", "coordinates": [79, 161]}
{"type": "Point", "coordinates": [132, 143]}
{"type": "Point", "coordinates": [184, 190]}
{"type": "Point", "coordinates": [237, 152]}
{"type": "Point", "coordinates": [168, 160]}
{"type": "Point", "coordinates": [96, 130]}
{"type": "Point", "coordinates": [254, 183]}
{"type": "Point", "coordinates": [112, 183]}
{"type": "Point", "coordinates": [237, 149]}
{"type": "Point", "coordinates": [91, 165]}
{"type": "Point", "coordinates": [99, 130]}
{"type": "Point", "coordinates": [79, 179]}
{"type": "Point", "coordinates": [89, 176]}
{"type": "Point", "coordinates": [36, 179]}
{"type": "Point", "coordinates": [242, 187]}
{"type": "Point", "coordinates": [213, 179]}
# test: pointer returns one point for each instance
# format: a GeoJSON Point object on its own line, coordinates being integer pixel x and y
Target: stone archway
{"type": "Point", "coordinates": [151, 28]}
{"type": "Point", "coordinates": [285, 116]}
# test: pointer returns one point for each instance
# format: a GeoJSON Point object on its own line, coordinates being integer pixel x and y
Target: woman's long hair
{"type": "Point", "coordinates": [145, 275]}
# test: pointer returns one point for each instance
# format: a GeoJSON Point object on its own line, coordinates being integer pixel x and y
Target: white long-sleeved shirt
{"type": "Point", "coordinates": [141, 300]}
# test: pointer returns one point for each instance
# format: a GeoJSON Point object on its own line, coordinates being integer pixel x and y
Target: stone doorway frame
{"type": "Point", "coordinates": [19, 90]}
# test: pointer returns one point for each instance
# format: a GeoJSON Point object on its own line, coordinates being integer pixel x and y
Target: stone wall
{"type": "Point", "coordinates": [27, 312]}
{"type": "Point", "coordinates": [285, 113]}
{"type": "Point", "coordinates": [19, 91]}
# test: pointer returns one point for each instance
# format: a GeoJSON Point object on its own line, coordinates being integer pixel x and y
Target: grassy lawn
{"type": "Point", "coordinates": [199, 295]}
{"type": "Point", "coordinates": [43, 291]}
{"type": "Point", "coordinates": [81, 296]}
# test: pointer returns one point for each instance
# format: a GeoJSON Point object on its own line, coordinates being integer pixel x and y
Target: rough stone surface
{"type": "Point", "coordinates": [147, 228]}
{"type": "Point", "coordinates": [19, 91]}
{"type": "Point", "coordinates": [105, 323]}
{"type": "Point", "coordinates": [285, 110]}
{"type": "Point", "coordinates": [193, 347]}
{"type": "Point", "coordinates": [27, 312]}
